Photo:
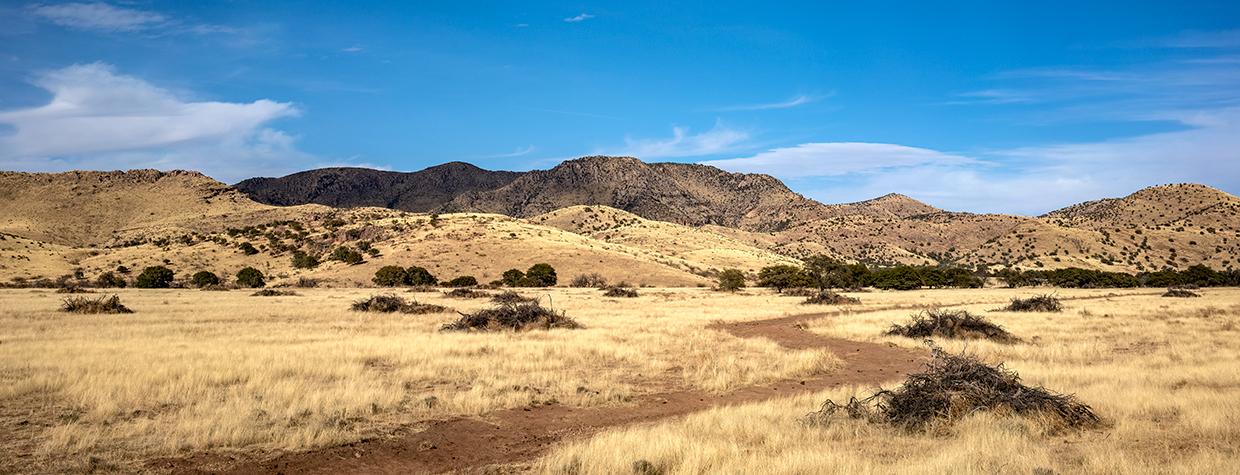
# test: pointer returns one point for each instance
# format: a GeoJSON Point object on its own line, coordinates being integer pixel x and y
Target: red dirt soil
{"type": "Point", "coordinates": [469, 444]}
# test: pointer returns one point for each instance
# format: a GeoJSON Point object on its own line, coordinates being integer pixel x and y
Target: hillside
{"type": "Point", "coordinates": [679, 193]}
{"type": "Point", "coordinates": [420, 191]}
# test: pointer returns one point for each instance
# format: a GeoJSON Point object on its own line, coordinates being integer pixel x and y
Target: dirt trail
{"type": "Point", "coordinates": [516, 435]}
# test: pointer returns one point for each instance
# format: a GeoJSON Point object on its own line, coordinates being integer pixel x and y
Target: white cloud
{"type": "Point", "coordinates": [788, 104]}
{"type": "Point", "coordinates": [719, 139]}
{"type": "Point", "coordinates": [519, 152]}
{"type": "Point", "coordinates": [836, 158]}
{"type": "Point", "coordinates": [581, 17]}
{"type": "Point", "coordinates": [98, 16]}
{"type": "Point", "coordinates": [352, 49]}
{"type": "Point", "coordinates": [100, 119]}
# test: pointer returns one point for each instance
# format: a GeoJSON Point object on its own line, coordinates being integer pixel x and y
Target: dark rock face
{"type": "Point", "coordinates": [422, 191]}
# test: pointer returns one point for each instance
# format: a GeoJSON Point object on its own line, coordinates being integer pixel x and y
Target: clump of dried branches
{"type": "Point", "coordinates": [1037, 303]}
{"type": "Point", "coordinates": [1180, 293]}
{"type": "Point", "coordinates": [511, 297]}
{"type": "Point", "coordinates": [522, 316]}
{"type": "Point", "coordinates": [392, 303]}
{"type": "Point", "coordinates": [954, 386]}
{"type": "Point", "coordinates": [103, 304]}
{"type": "Point", "coordinates": [620, 292]}
{"type": "Point", "coordinates": [828, 297]}
{"type": "Point", "coordinates": [464, 293]}
{"type": "Point", "coordinates": [952, 324]}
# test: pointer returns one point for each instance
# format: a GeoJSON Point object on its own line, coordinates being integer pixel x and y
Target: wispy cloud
{"type": "Point", "coordinates": [120, 121]}
{"type": "Point", "coordinates": [788, 104]}
{"type": "Point", "coordinates": [1204, 39]}
{"type": "Point", "coordinates": [519, 152]}
{"type": "Point", "coordinates": [682, 143]}
{"type": "Point", "coordinates": [353, 49]}
{"type": "Point", "coordinates": [98, 17]}
{"type": "Point", "coordinates": [993, 96]}
{"type": "Point", "coordinates": [837, 158]}
{"type": "Point", "coordinates": [582, 17]}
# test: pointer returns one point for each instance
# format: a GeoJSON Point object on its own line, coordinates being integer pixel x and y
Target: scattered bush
{"type": "Point", "coordinates": [302, 260]}
{"type": "Point", "coordinates": [951, 324]}
{"type": "Point", "coordinates": [273, 293]}
{"type": "Point", "coordinates": [247, 249]}
{"type": "Point", "coordinates": [1180, 293]}
{"type": "Point", "coordinates": [102, 304]}
{"type": "Point", "coordinates": [511, 297]}
{"type": "Point", "coordinates": [204, 278]}
{"type": "Point", "coordinates": [465, 293]}
{"type": "Point", "coordinates": [539, 275]}
{"type": "Point", "coordinates": [250, 277]}
{"type": "Point", "coordinates": [463, 281]}
{"type": "Point", "coordinates": [730, 280]}
{"type": "Point", "coordinates": [155, 277]}
{"type": "Point", "coordinates": [781, 277]}
{"type": "Point", "coordinates": [512, 277]}
{"type": "Point", "coordinates": [800, 292]}
{"type": "Point", "coordinates": [391, 303]}
{"type": "Point", "coordinates": [420, 276]}
{"type": "Point", "coordinates": [594, 280]}
{"type": "Point", "coordinates": [953, 387]}
{"type": "Point", "coordinates": [516, 317]}
{"type": "Point", "coordinates": [391, 276]}
{"type": "Point", "coordinates": [1037, 303]}
{"type": "Point", "coordinates": [109, 280]}
{"type": "Point", "coordinates": [620, 292]}
{"type": "Point", "coordinates": [828, 297]}
{"type": "Point", "coordinates": [347, 255]}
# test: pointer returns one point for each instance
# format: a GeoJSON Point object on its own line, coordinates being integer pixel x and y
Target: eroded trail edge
{"type": "Point", "coordinates": [468, 444]}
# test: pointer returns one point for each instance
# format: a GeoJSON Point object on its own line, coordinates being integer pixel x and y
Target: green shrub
{"type": "Point", "coordinates": [247, 249]}
{"type": "Point", "coordinates": [420, 276]}
{"type": "Point", "coordinates": [204, 278]}
{"type": "Point", "coordinates": [730, 280]}
{"type": "Point", "coordinates": [391, 276]}
{"type": "Point", "coordinates": [109, 279]}
{"type": "Point", "coordinates": [540, 275]}
{"type": "Point", "coordinates": [347, 255]}
{"type": "Point", "coordinates": [463, 281]}
{"type": "Point", "coordinates": [250, 277]}
{"type": "Point", "coordinates": [781, 277]}
{"type": "Point", "coordinates": [154, 277]}
{"type": "Point", "coordinates": [301, 260]}
{"type": "Point", "coordinates": [512, 277]}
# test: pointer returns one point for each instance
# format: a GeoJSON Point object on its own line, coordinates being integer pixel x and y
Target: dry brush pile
{"type": "Point", "coordinates": [1180, 293]}
{"type": "Point", "coordinates": [828, 297]}
{"type": "Point", "coordinates": [274, 293]}
{"type": "Point", "coordinates": [516, 317]}
{"type": "Point", "coordinates": [392, 303]}
{"type": "Point", "coordinates": [102, 304]}
{"type": "Point", "coordinates": [953, 387]}
{"type": "Point", "coordinates": [1037, 303]}
{"type": "Point", "coordinates": [511, 297]}
{"type": "Point", "coordinates": [620, 292]}
{"type": "Point", "coordinates": [958, 324]}
{"type": "Point", "coordinates": [466, 294]}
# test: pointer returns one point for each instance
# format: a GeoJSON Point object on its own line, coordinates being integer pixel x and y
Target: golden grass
{"type": "Point", "coordinates": [1166, 375]}
{"type": "Point", "coordinates": [221, 371]}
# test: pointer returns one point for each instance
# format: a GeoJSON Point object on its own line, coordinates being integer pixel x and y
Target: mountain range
{"type": "Point", "coordinates": [654, 223]}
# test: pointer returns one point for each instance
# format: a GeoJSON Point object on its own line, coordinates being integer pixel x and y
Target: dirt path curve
{"type": "Point", "coordinates": [516, 435]}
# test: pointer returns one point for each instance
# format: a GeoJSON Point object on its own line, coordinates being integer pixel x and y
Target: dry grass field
{"type": "Point", "coordinates": [194, 372]}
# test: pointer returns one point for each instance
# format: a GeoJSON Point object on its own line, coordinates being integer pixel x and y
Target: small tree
{"type": "Point", "coordinates": [301, 260]}
{"type": "Point", "coordinates": [155, 277]}
{"type": "Point", "coordinates": [540, 275]}
{"type": "Point", "coordinates": [420, 276]}
{"type": "Point", "coordinates": [782, 277]}
{"type": "Point", "coordinates": [731, 280]}
{"type": "Point", "coordinates": [826, 273]}
{"type": "Point", "coordinates": [512, 277]}
{"type": "Point", "coordinates": [247, 249]}
{"type": "Point", "coordinates": [463, 281]}
{"type": "Point", "coordinates": [347, 255]}
{"type": "Point", "coordinates": [250, 277]}
{"type": "Point", "coordinates": [109, 279]}
{"type": "Point", "coordinates": [204, 278]}
{"type": "Point", "coordinates": [391, 276]}
{"type": "Point", "coordinates": [122, 269]}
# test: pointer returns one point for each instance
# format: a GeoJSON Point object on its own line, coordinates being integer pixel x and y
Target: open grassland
{"type": "Point", "coordinates": [194, 371]}
{"type": "Point", "coordinates": [1163, 372]}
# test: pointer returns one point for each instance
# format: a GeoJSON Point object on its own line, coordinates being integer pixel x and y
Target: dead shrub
{"type": "Point", "coordinates": [828, 297]}
{"type": "Point", "coordinates": [799, 292]}
{"type": "Point", "coordinates": [274, 293]}
{"type": "Point", "coordinates": [957, 324]}
{"type": "Point", "coordinates": [306, 283]}
{"type": "Point", "coordinates": [423, 288]}
{"type": "Point", "coordinates": [1037, 303]}
{"type": "Point", "coordinates": [595, 280]}
{"type": "Point", "coordinates": [391, 303]}
{"type": "Point", "coordinates": [218, 287]}
{"type": "Point", "coordinates": [516, 317]}
{"type": "Point", "coordinates": [1180, 293]}
{"type": "Point", "coordinates": [511, 297]}
{"type": "Point", "coordinates": [620, 292]}
{"type": "Point", "coordinates": [74, 289]}
{"type": "Point", "coordinates": [953, 387]}
{"type": "Point", "coordinates": [466, 294]}
{"type": "Point", "coordinates": [102, 304]}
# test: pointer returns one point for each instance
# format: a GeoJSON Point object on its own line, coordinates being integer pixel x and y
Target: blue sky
{"type": "Point", "coordinates": [976, 106]}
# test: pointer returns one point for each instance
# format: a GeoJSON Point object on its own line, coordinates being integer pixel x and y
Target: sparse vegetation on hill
{"type": "Point", "coordinates": [347, 255]}
{"type": "Point", "coordinates": [302, 260]}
